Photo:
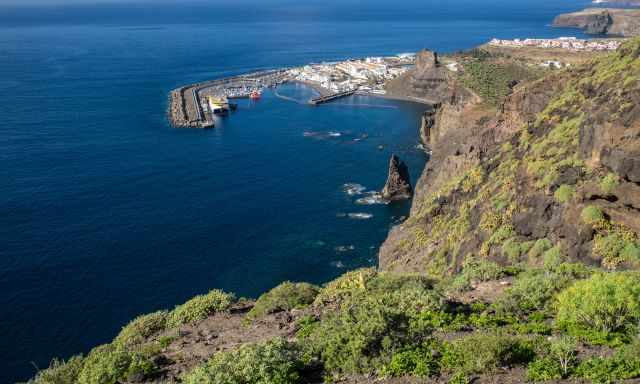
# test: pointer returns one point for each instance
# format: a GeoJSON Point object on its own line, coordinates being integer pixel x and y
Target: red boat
{"type": "Point", "coordinates": [255, 95]}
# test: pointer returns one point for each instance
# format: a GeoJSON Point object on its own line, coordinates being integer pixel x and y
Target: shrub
{"type": "Point", "coordinates": [592, 215]}
{"type": "Point", "coordinates": [623, 365]}
{"type": "Point", "coordinates": [345, 286]}
{"type": "Point", "coordinates": [564, 193]}
{"type": "Point", "coordinates": [141, 328]}
{"type": "Point", "coordinates": [609, 183]}
{"type": "Point", "coordinates": [544, 369]}
{"type": "Point", "coordinates": [513, 249]}
{"type": "Point", "coordinates": [616, 246]}
{"type": "Point", "coordinates": [552, 258]}
{"type": "Point", "coordinates": [369, 326]}
{"type": "Point", "coordinates": [271, 362]}
{"type": "Point", "coordinates": [531, 291]}
{"type": "Point", "coordinates": [606, 302]}
{"type": "Point", "coordinates": [474, 271]}
{"type": "Point", "coordinates": [359, 339]}
{"type": "Point", "coordinates": [306, 325]}
{"type": "Point", "coordinates": [538, 248]}
{"type": "Point", "coordinates": [564, 352]}
{"type": "Point", "coordinates": [420, 362]}
{"type": "Point", "coordinates": [284, 297]}
{"type": "Point", "coordinates": [481, 353]}
{"type": "Point", "coordinates": [200, 307]}
{"type": "Point", "coordinates": [110, 364]}
{"type": "Point", "coordinates": [60, 372]}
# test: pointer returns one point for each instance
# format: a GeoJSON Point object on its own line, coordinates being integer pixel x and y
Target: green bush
{"type": "Point", "coordinates": [513, 249]}
{"type": "Point", "coordinates": [609, 183]}
{"type": "Point", "coordinates": [420, 362]}
{"type": "Point", "coordinates": [552, 258]}
{"type": "Point", "coordinates": [110, 364]}
{"type": "Point", "coordinates": [592, 215]}
{"type": "Point", "coordinates": [272, 362]}
{"type": "Point", "coordinates": [200, 307]}
{"type": "Point", "coordinates": [345, 286]}
{"type": "Point", "coordinates": [544, 369]}
{"type": "Point", "coordinates": [361, 337]}
{"type": "Point", "coordinates": [616, 246]}
{"type": "Point", "coordinates": [60, 372]}
{"type": "Point", "coordinates": [623, 365]}
{"type": "Point", "coordinates": [141, 328]}
{"type": "Point", "coordinates": [372, 322]}
{"type": "Point", "coordinates": [531, 291]}
{"type": "Point", "coordinates": [474, 271]}
{"type": "Point", "coordinates": [481, 353]}
{"type": "Point", "coordinates": [284, 297]}
{"type": "Point", "coordinates": [538, 249]}
{"type": "Point", "coordinates": [606, 302]}
{"type": "Point", "coordinates": [564, 193]}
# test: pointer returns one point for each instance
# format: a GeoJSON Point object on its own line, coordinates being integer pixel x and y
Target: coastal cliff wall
{"type": "Point", "coordinates": [500, 180]}
{"type": "Point", "coordinates": [603, 21]}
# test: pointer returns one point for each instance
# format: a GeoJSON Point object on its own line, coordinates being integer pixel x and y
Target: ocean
{"type": "Point", "coordinates": [107, 212]}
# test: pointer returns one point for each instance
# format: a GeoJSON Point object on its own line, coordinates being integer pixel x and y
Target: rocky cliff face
{"type": "Point", "coordinates": [603, 21]}
{"type": "Point", "coordinates": [498, 182]}
{"type": "Point", "coordinates": [428, 81]}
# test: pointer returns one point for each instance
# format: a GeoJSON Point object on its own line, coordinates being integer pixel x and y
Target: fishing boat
{"type": "Point", "coordinates": [255, 95]}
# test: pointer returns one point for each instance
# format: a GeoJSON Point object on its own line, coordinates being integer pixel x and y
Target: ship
{"type": "Point", "coordinates": [219, 105]}
{"type": "Point", "coordinates": [255, 95]}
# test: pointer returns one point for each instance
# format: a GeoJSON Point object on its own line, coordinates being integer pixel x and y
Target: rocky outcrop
{"type": "Point", "coordinates": [427, 82]}
{"type": "Point", "coordinates": [398, 185]}
{"type": "Point", "coordinates": [603, 21]}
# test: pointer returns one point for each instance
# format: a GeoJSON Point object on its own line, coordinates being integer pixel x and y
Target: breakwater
{"type": "Point", "coordinates": [188, 109]}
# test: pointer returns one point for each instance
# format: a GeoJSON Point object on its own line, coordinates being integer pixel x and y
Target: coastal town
{"type": "Point", "coordinates": [366, 75]}
{"type": "Point", "coordinates": [568, 43]}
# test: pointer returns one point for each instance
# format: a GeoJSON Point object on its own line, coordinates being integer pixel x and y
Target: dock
{"type": "Point", "coordinates": [328, 98]}
{"type": "Point", "coordinates": [189, 107]}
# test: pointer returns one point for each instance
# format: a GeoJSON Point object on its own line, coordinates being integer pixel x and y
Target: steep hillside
{"type": "Point", "coordinates": [561, 145]}
{"type": "Point", "coordinates": [518, 263]}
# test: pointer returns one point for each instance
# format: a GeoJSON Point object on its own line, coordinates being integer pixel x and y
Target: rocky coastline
{"type": "Point", "coordinates": [603, 21]}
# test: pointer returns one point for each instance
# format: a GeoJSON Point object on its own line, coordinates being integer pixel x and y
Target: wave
{"type": "Point", "coordinates": [372, 198]}
{"type": "Point", "coordinates": [360, 216]}
{"type": "Point", "coordinates": [334, 134]}
{"type": "Point", "coordinates": [345, 248]}
{"type": "Point", "coordinates": [353, 189]}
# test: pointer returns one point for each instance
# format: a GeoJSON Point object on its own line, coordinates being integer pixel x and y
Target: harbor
{"type": "Point", "coordinates": [196, 105]}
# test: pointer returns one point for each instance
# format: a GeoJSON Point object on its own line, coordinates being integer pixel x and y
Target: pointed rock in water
{"type": "Point", "coordinates": [398, 184]}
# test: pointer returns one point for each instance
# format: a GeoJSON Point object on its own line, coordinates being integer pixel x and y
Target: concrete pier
{"type": "Point", "coordinates": [328, 98]}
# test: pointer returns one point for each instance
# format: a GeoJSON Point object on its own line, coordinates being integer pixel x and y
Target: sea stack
{"type": "Point", "coordinates": [398, 186]}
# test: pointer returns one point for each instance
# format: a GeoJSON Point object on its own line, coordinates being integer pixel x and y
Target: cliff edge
{"type": "Point", "coordinates": [603, 21]}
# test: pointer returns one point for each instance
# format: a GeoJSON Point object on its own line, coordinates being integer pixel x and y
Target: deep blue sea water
{"type": "Point", "coordinates": [106, 212]}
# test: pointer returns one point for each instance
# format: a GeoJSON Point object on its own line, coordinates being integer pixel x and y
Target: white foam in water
{"type": "Point", "coordinates": [360, 216]}
{"type": "Point", "coordinates": [345, 248]}
{"type": "Point", "coordinates": [335, 134]}
{"type": "Point", "coordinates": [353, 189]}
{"type": "Point", "coordinates": [337, 264]}
{"type": "Point", "coordinates": [371, 199]}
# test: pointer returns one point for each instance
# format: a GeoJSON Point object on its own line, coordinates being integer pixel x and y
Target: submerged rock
{"type": "Point", "coordinates": [398, 186]}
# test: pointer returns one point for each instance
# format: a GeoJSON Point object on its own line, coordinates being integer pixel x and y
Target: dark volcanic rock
{"type": "Point", "coordinates": [600, 21]}
{"type": "Point", "coordinates": [398, 184]}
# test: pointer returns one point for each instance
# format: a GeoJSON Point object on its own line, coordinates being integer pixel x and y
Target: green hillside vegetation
{"type": "Point", "coordinates": [550, 316]}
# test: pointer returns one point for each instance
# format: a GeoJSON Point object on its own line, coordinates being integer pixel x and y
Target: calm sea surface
{"type": "Point", "coordinates": [106, 212]}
